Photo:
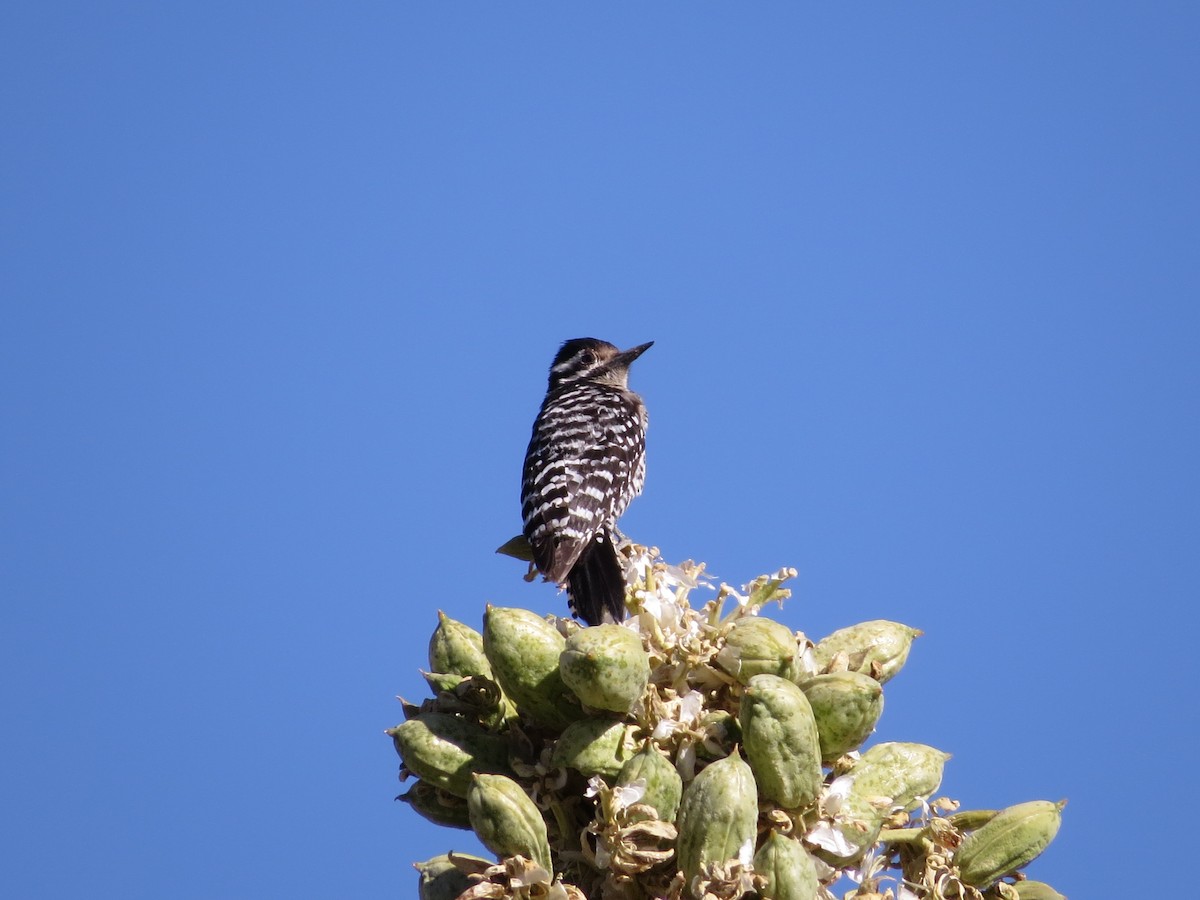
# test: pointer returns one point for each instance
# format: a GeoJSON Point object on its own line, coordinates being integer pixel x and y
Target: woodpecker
{"type": "Point", "coordinates": [586, 461]}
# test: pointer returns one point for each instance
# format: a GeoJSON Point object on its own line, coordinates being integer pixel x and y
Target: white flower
{"type": "Point", "coordinates": [603, 857]}
{"type": "Point", "coordinates": [872, 864]}
{"type": "Point", "coordinates": [741, 599]}
{"type": "Point", "coordinates": [651, 604]}
{"type": "Point", "coordinates": [676, 576]}
{"type": "Point", "coordinates": [691, 705]}
{"type": "Point", "coordinates": [685, 760]}
{"type": "Point", "coordinates": [532, 875]}
{"type": "Point", "coordinates": [808, 661]}
{"type": "Point", "coordinates": [835, 794]}
{"type": "Point", "coordinates": [830, 838]}
{"type": "Point", "coordinates": [625, 795]}
{"type": "Point", "coordinates": [746, 852]}
{"type": "Point", "coordinates": [925, 811]}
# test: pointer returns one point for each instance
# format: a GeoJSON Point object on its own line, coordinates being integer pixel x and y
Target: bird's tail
{"type": "Point", "coordinates": [596, 584]}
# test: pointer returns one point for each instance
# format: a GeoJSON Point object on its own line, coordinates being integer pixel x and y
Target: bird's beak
{"type": "Point", "coordinates": [625, 357]}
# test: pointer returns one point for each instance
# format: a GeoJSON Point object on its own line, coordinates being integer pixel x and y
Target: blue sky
{"type": "Point", "coordinates": [281, 284]}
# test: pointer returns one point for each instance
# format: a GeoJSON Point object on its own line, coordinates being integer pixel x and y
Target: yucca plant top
{"type": "Point", "coordinates": [699, 752]}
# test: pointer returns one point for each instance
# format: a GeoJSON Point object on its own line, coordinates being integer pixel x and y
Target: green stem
{"type": "Point", "coordinates": [565, 825]}
{"type": "Point", "coordinates": [902, 835]}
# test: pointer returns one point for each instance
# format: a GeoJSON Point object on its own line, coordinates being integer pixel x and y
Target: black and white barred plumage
{"type": "Point", "coordinates": [586, 461]}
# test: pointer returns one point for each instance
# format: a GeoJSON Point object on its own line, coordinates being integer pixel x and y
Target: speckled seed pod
{"type": "Point", "coordinates": [899, 771]}
{"type": "Point", "coordinates": [780, 737]}
{"type": "Point", "coordinates": [506, 821]}
{"type": "Point", "coordinates": [789, 871]}
{"type": "Point", "coordinates": [439, 807]}
{"type": "Point", "coordinates": [444, 750]}
{"type": "Point", "coordinates": [441, 879]}
{"type": "Point", "coordinates": [524, 649]}
{"type": "Point", "coordinates": [442, 681]}
{"type": "Point", "coordinates": [593, 747]}
{"type": "Point", "coordinates": [663, 784]}
{"type": "Point", "coordinates": [756, 645]}
{"type": "Point", "coordinates": [1037, 890]}
{"type": "Point", "coordinates": [457, 649]}
{"type": "Point", "coordinates": [1014, 838]}
{"type": "Point", "coordinates": [846, 706]}
{"type": "Point", "coordinates": [878, 648]}
{"type": "Point", "coordinates": [606, 667]}
{"type": "Point", "coordinates": [718, 816]}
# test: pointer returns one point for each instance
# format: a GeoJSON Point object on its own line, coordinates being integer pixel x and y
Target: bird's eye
{"type": "Point", "coordinates": [587, 356]}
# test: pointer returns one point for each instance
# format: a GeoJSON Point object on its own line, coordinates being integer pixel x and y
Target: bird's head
{"type": "Point", "coordinates": [589, 359]}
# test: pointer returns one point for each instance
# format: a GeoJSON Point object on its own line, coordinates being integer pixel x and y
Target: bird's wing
{"type": "Point", "coordinates": [578, 469]}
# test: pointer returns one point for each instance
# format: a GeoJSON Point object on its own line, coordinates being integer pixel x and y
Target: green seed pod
{"type": "Point", "coordinates": [900, 770]}
{"type": "Point", "coordinates": [439, 807]}
{"type": "Point", "coordinates": [606, 667]}
{"type": "Point", "coordinates": [593, 747]}
{"type": "Point", "coordinates": [757, 645]}
{"type": "Point", "coordinates": [444, 750]}
{"type": "Point", "coordinates": [877, 648]}
{"type": "Point", "coordinates": [442, 682]}
{"type": "Point", "coordinates": [518, 548]}
{"type": "Point", "coordinates": [1037, 890]}
{"type": "Point", "coordinates": [506, 821]}
{"type": "Point", "coordinates": [789, 871]}
{"type": "Point", "coordinates": [846, 706]}
{"type": "Point", "coordinates": [457, 649]}
{"type": "Point", "coordinates": [718, 816]}
{"type": "Point", "coordinates": [1009, 841]}
{"type": "Point", "coordinates": [441, 879]}
{"type": "Point", "coordinates": [524, 650]}
{"type": "Point", "coordinates": [888, 776]}
{"type": "Point", "coordinates": [781, 741]}
{"type": "Point", "coordinates": [663, 784]}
